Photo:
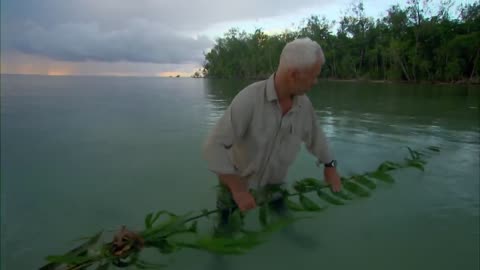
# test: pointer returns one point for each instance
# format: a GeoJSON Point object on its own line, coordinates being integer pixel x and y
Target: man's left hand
{"type": "Point", "coordinates": [333, 179]}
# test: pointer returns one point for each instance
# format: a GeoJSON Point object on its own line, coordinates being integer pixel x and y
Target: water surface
{"type": "Point", "coordinates": [79, 154]}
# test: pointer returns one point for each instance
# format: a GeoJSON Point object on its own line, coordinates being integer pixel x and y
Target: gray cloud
{"type": "Point", "coordinates": [120, 30]}
{"type": "Point", "coordinates": [179, 14]}
{"type": "Point", "coordinates": [139, 41]}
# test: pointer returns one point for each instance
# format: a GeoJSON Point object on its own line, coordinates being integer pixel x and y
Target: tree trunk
{"type": "Point", "coordinates": [384, 67]}
{"type": "Point", "coordinates": [334, 66]}
{"type": "Point", "coordinates": [414, 60]}
{"type": "Point", "coordinates": [361, 60]}
{"type": "Point", "coordinates": [404, 68]}
{"type": "Point", "coordinates": [474, 65]}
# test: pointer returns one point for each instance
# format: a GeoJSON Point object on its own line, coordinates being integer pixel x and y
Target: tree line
{"type": "Point", "coordinates": [411, 43]}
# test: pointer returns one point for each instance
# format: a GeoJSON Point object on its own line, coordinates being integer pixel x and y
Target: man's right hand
{"type": "Point", "coordinates": [244, 200]}
{"type": "Point", "coordinates": [239, 190]}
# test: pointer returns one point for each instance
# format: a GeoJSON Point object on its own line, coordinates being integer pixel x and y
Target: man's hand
{"type": "Point", "coordinates": [239, 190]}
{"type": "Point", "coordinates": [244, 200]}
{"type": "Point", "coordinates": [332, 178]}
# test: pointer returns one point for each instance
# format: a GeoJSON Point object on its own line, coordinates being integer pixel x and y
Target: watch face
{"type": "Point", "coordinates": [333, 163]}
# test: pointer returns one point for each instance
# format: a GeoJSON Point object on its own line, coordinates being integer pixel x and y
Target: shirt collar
{"type": "Point", "coordinates": [271, 93]}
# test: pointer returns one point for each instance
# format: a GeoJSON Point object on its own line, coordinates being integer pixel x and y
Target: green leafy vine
{"type": "Point", "coordinates": [165, 230]}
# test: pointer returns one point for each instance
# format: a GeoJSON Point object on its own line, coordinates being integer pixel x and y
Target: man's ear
{"type": "Point", "coordinates": [292, 74]}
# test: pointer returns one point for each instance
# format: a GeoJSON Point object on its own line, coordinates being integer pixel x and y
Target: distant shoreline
{"type": "Point", "coordinates": [460, 82]}
{"type": "Point", "coordinates": [92, 75]}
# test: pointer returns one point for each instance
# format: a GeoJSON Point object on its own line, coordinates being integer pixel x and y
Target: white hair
{"type": "Point", "coordinates": [301, 53]}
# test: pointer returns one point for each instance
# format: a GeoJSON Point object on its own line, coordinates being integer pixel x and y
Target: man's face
{"type": "Point", "coordinates": [304, 80]}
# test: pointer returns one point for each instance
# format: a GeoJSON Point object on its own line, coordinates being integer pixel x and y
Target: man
{"type": "Point", "coordinates": [258, 137]}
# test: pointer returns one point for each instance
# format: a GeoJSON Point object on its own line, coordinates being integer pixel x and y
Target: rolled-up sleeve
{"type": "Point", "coordinates": [230, 128]}
{"type": "Point", "coordinates": [316, 141]}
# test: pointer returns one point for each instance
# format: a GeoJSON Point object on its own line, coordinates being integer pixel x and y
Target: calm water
{"type": "Point", "coordinates": [79, 154]}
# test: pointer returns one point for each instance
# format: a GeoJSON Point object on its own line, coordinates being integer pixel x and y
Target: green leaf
{"type": "Point", "coordinates": [312, 183]}
{"type": "Point", "coordinates": [73, 255]}
{"type": "Point", "coordinates": [299, 186]}
{"type": "Point", "coordinates": [224, 245]}
{"type": "Point", "coordinates": [412, 153]}
{"type": "Point", "coordinates": [356, 189]}
{"type": "Point", "coordinates": [206, 213]}
{"type": "Point", "coordinates": [166, 247]}
{"type": "Point", "coordinates": [140, 264]}
{"type": "Point", "coordinates": [160, 213]}
{"type": "Point", "coordinates": [308, 204]}
{"type": "Point", "coordinates": [173, 224]}
{"type": "Point", "coordinates": [235, 222]}
{"type": "Point", "coordinates": [148, 221]}
{"type": "Point", "coordinates": [293, 205]}
{"type": "Point", "coordinates": [422, 161]}
{"type": "Point", "coordinates": [434, 148]}
{"type": "Point", "coordinates": [103, 266]}
{"type": "Point", "coordinates": [388, 166]}
{"type": "Point", "coordinates": [85, 246]}
{"type": "Point", "coordinates": [262, 215]}
{"type": "Point", "coordinates": [416, 164]}
{"type": "Point", "coordinates": [246, 241]}
{"type": "Point", "coordinates": [193, 227]}
{"type": "Point", "coordinates": [365, 181]}
{"type": "Point", "coordinates": [415, 155]}
{"type": "Point", "coordinates": [343, 195]}
{"type": "Point", "coordinates": [382, 176]}
{"type": "Point", "coordinates": [308, 184]}
{"type": "Point", "coordinates": [328, 198]}
{"type": "Point", "coordinates": [91, 242]}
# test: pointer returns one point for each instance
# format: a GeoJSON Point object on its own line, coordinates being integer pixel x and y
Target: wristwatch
{"type": "Point", "coordinates": [331, 164]}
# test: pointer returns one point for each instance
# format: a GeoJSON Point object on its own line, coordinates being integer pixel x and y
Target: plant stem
{"type": "Point", "coordinates": [202, 215]}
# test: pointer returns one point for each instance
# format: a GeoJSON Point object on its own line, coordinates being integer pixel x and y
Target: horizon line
{"type": "Point", "coordinates": [94, 75]}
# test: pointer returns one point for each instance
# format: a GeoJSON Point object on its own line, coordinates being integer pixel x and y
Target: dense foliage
{"type": "Point", "coordinates": [418, 42]}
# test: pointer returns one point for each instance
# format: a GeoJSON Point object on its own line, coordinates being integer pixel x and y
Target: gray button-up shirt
{"type": "Point", "coordinates": [252, 138]}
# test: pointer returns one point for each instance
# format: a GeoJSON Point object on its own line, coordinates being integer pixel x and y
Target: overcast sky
{"type": "Point", "coordinates": [142, 37]}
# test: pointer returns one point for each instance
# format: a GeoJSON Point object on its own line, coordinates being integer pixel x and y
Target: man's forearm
{"type": "Point", "coordinates": [234, 182]}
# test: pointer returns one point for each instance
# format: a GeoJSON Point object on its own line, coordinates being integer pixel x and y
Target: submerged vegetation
{"type": "Point", "coordinates": [418, 42]}
{"type": "Point", "coordinates": [168, 232]}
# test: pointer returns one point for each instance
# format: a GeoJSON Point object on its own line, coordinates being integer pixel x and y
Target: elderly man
{"type": "Point", "coordinates": [259, 135]}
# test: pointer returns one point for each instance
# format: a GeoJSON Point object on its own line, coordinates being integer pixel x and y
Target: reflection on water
{"type": "Point", "coordinates": [370, 123]}
{"type": "Point", "coordinates": [449, 112]}
{"type": "Point", "coordinates": [74, 146]}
